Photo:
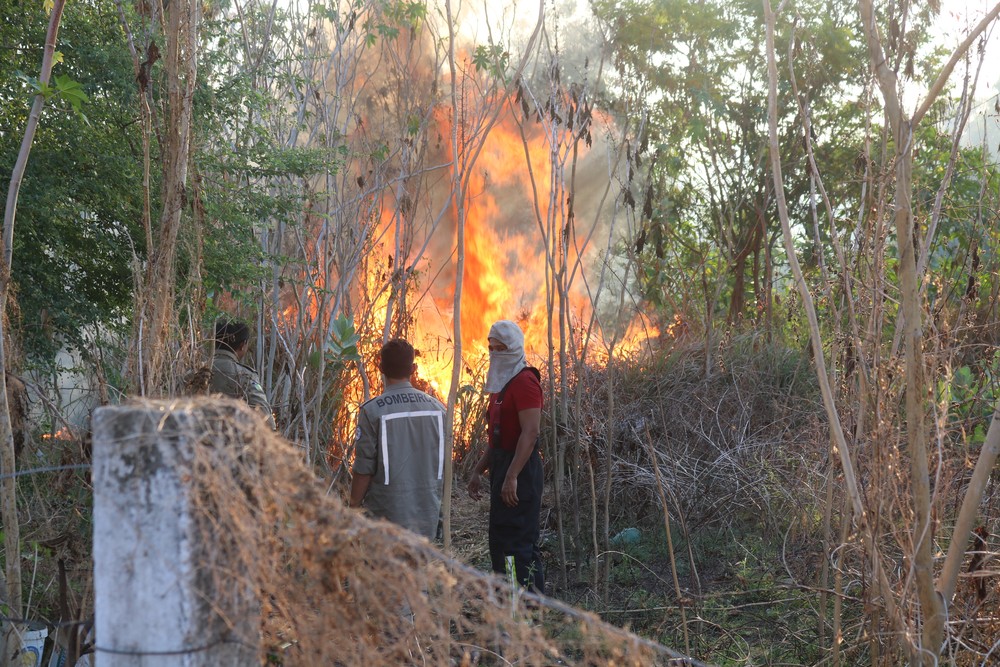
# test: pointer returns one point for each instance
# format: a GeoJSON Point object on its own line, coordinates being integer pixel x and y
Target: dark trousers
{"type": "Point", "coordinates": [514, 530]}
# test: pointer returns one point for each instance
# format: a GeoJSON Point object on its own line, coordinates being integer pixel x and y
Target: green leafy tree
{"type": "Point", "coordinates": [79, 207]}
{"type": "Point", "coordinates": [11, 582]}
{"type": "Point", "coordinates": [701, 179]}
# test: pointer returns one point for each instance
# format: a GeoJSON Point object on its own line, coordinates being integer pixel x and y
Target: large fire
{"type": "Point", "coordinates": [505, 254]}
{"type": "Point", "coordinates": [516, 221]}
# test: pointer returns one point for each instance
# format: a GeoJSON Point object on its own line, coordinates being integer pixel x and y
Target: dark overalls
{"type": "Point", "coordinates": [514, 531]}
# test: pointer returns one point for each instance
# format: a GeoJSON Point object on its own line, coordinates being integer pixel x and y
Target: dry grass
{"type": "Point", "coordinates": [742, 450]}
{"type": "Point", "coordinates": [746, 440]}
{"type": "Point", "coordinates": [340, 589]}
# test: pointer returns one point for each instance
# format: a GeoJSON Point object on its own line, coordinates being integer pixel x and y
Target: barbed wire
{"type": "Point", "coordinates": [44, 469]}
{"type": "Point", "coordinates": [184, 651]}
{"type": "Point", "coordinates": [10, 620]}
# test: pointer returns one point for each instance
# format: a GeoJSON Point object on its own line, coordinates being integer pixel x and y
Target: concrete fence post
{"type": "Point", "coordinates": [155, 604]}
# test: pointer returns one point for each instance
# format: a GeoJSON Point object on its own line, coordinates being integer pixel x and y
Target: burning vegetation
{"type": "Point", "coordinates": [493, 214]}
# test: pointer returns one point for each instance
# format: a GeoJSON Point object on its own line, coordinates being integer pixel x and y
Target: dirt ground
{"type": "Point", "coordinates": [469, 527]}
{"type": "Point", "coordinates": [470, 535]}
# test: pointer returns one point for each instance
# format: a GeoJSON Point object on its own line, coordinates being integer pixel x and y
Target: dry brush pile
{"type": "Point", "coordinates": [741, 459]}
{"type": "Point", "coordinates": [746, 439]}
{"type": "Point", "coordinates": [337, 588]}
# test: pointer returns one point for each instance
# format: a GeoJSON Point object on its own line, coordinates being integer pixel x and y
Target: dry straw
{"type": "Point", "coordinates": [337, 588]}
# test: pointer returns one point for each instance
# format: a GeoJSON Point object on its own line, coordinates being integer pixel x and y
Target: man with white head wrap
{"type": "Point", "coordinates": [506, 363]}
{"type": "Point", "coordinates": [512, 457]}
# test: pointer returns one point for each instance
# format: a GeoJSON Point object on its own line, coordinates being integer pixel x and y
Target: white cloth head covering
{"type": "Point", "coordinates": [505, 364]}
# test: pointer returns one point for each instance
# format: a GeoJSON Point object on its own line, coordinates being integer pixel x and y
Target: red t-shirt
{"type": "Point", "coordinates": [524, 392]}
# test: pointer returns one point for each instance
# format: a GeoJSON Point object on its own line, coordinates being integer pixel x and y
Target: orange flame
{"type": "Point", "coordinates": [504, 275]}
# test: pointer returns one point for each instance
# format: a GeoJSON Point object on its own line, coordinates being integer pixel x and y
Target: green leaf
{"type": "Point", "coordinates": [71, 91]}
{"type": "Point", "coordinates": [413, 125]}
{"type": "Point", "coordinates": [492, 59]}
{"type": "Point", "coordinates": [34, 83]}
{"type": "Point", "coordinates": [343, 342]}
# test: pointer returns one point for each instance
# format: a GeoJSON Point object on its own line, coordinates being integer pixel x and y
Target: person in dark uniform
{"type": "Point", "coordinates": [399, 453]}
{"type": "Point", "coordinates": [230, 376]}
{"type": "Point", "coordinates": [513, 459]}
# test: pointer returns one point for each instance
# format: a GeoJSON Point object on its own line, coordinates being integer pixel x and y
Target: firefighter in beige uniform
{"type": "Point", "coordinates": [231, 377]}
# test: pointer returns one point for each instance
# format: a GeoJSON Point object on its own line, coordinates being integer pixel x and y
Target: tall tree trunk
{"type": "Point", "coordinates": [466, 145]}
{"type": "Point", "coordinates": [916, 393]}
{"type": "Point", "coordinates": [931, 603]}
{"type": "Point", "coordinates": [458, 201]}
{"type": "Point", "coordinates": [8, 486]}
{"type": "Point", "coordinates": [154, 321]}
{"type": "Point", "coordinates": [609, 470]}
{"type": "Point", "coordinates": [842, 448]}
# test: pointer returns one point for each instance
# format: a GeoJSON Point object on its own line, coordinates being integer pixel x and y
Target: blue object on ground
{"type": "Point", "coordinates": [627, 536]}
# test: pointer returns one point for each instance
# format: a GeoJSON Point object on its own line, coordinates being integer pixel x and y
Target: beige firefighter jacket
{"type": "Point", "coordinates": [231, 378]}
